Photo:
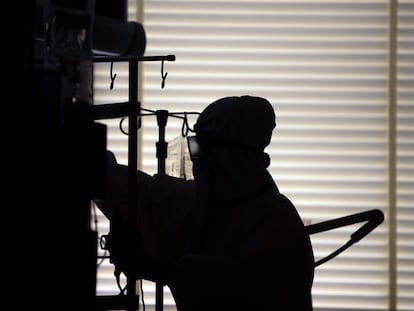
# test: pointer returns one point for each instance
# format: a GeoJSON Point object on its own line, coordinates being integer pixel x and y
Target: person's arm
{"type": "Point", "coordinates": [116, 193]}
{"type": "Point", "coordinates": [163, 206]}
{"type": "Point", "coordinates": [197, 271]}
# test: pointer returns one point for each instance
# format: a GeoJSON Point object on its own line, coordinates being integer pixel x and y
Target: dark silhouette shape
{"type": "Point", "coordinates": [229, 240]}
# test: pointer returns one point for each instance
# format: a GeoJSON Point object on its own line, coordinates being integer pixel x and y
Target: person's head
{"type": "Point", "coordinates": [240, 122]}
{"type": "Point", "coordinates": [232, 133]}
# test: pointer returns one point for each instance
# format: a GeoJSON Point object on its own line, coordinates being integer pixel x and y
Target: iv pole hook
{"type": "Point", "coordinates": [163, 75]}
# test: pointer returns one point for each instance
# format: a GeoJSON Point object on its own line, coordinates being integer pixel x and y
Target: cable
{"type": "Point", "coordinates": [142, 295]}
{"type": "Point", "coordinates": [120, 127]}
{"type": "Point", "coordinates": [334, 254]}
{"type": "Point", "coordinates": [373, 218]}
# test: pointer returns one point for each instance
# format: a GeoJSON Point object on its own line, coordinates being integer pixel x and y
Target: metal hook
{"type": "Point", "coordinates": [112, 77]}
{"type": "Point", "coordinates": [163, 76]}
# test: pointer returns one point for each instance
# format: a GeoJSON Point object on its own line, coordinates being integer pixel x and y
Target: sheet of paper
{"type": "Point", "coordinates": [178, 162]}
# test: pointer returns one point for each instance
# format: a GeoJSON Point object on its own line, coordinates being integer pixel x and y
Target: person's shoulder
{"type": "Point", "coordinates": [172, 184]}
{"type": "Point", "coordinates": [171, 179]}
{"type": "Point", "coordinates": [282, 199]}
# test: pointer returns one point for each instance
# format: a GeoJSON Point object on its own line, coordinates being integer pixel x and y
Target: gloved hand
{"type": "Point", "coordinates": [122, 239]}
{"type": "Point", "coordinates": [138, 265]}
{"type": "Point", "coordinates": [125, 247]}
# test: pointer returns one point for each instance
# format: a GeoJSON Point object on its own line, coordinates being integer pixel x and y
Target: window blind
{"type": "Point", "coordinates": [324, 66]}
{"type": "Point", "coordinates": [405, 156]}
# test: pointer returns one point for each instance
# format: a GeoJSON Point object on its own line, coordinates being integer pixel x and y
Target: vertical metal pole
{"type": "Point", "coordinates": [134, 109]}
{"type": "Point", "coordinates": [162, 117]}
{"type": "Point", "coordinates": [161, 154]}
{"type": "Point", "coordinates": [392, 156]}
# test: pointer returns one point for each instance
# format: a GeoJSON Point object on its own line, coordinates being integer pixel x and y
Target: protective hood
{"type": "Point", "coordinates": [238, 121]}
{"type": "Point", "coordinates": [233, 133]}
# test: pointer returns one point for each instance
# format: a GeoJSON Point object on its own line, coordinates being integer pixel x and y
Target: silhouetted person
{"type": "Point", "coordinates": [229, 240]}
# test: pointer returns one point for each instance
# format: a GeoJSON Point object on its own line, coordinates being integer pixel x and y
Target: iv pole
{"type": "Point", "coordinates": [133, 111]}
{"type": "Point", "coordinates": [161, 154]}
